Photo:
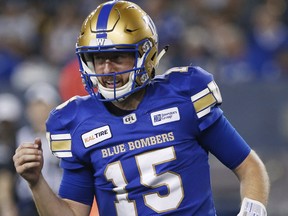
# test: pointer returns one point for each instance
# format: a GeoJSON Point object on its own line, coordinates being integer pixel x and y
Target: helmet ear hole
{"type": "Point", "coordinates": [153, 57]}
{"type": "Point", "coordinates": [153, 73]}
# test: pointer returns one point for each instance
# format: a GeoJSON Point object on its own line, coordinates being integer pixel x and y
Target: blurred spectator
{"type": "Point", "coordinates": [10, 111]}
{"type": "Point", "coordinates": [8, 61]}
{"type": "Point", "coordinates": [268, 35]}
{"type": "Point", "coordinates": [18, 30]}
{"type": "Point", "coordinates": [31, 71]}
{"type": "Point", "coordinates": [230, 51]}
{"type": "Point", "coordinates": [40, 98]}
{"type": "Point", "coordinates": [60, 34]}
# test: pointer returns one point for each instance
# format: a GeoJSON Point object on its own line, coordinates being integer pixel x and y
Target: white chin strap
{"type": "Point", "coordinates": [111, 93]}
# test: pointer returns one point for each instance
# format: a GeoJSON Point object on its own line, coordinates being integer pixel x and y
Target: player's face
{"type": "Point", "coordinates": [108, 63]}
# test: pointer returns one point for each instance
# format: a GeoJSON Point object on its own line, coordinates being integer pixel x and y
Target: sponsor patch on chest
{"type": "Point", "coordinates": [165, 116]}
{"type": "Point", "coordinates": [96, 136]}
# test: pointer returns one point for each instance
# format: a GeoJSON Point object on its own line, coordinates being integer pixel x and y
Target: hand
{"type": "Point", "coordinates": [251, 207]}
{"type": "Point", "coordinates": [28, 161]}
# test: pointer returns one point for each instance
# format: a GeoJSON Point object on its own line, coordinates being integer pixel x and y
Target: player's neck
{"type": "Point", "coordinates": [131, 102]}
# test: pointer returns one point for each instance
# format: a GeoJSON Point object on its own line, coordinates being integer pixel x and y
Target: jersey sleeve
{"type": "Point", "coordinates": [77, 185]}
{"type": "Point", "coordinates": [60, 141]}
{"type": "Point", "coordinates": [205, 97]}
{"type": "Point", "coordinates": [225, 143]}
{"type": "Point", "coordinates": [77, 182]}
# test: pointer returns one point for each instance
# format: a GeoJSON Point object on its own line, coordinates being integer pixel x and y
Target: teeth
{"type": "Point", "coordinates": [111, 82]}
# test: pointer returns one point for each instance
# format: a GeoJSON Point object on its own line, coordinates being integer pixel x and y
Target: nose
{"type": "Point", "coordinates": [108, 66]}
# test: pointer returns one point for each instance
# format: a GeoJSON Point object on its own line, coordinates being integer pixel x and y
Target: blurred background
{"type": "Point", "coordinates": [243, 43]}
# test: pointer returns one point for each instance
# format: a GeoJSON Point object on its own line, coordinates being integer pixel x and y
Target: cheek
{"type": "Point", "coordinates": [99, 69]}
{"type": "Point", "coordinates": [125, 77]}
{"type": "Point", "coordinates": [128, 66]}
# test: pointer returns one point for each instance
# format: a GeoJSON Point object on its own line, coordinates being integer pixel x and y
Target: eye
{"type": "Point", "coordinates": [126, 55]}
{"type": "Point", "coordinates": [118, 57]}
{"type": "Point", "coordinates": [99, 59]}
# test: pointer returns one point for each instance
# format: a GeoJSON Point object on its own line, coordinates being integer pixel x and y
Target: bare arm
{"type": "Point", "coordinates": [49, 204]}
{"type": "Point", "coordinates": [253, 177]}
{"type": "Point", "coordinates": [28, 161]}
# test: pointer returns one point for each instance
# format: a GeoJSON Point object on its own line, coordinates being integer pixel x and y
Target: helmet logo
{"type": "Point", "coordinates": [144, 78]}
{"type": "Point", "coordinates": [146, 46]}
{"type": "Point", "coordinates": [100, 42]}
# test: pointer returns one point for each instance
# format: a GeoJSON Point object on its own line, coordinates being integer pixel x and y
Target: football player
{"type": "Point", "coordinates": [139, 143]}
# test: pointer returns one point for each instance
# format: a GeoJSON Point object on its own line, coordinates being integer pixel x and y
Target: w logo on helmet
{"type": "Point", "coordinates": [100, 42]}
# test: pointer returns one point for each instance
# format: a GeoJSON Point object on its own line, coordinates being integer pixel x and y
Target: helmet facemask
{"type": "Point", "coordinates": [138, 76]}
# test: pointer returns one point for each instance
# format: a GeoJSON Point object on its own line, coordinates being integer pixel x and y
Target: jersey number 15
{"type": "Point", "coordinates": [146, 163]}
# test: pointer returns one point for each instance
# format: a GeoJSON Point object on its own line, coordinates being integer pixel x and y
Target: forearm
{"type": "Point", "coordinates": [47, 202]}
{"type": "Point", "coordinates": [254, 180]}
{"type": "Point", "coordinates": [256, 188]}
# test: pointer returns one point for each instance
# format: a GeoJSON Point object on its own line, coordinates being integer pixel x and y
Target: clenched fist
{"type": "Point", "coordinates": [28, 161]}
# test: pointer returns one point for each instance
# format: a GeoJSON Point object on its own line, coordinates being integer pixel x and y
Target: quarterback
{"type": "Point", "coordinates": [139, 143]}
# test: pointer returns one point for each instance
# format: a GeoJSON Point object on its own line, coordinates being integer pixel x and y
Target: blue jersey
{"type": "Point", "coordinates": [153, 161]}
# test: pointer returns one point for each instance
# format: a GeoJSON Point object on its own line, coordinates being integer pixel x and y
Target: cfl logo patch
{"type": "Point", "coordinates": [130, 119]}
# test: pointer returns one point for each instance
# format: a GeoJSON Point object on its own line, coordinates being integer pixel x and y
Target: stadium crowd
{"type": "Point", "coordinates": [239, 41]}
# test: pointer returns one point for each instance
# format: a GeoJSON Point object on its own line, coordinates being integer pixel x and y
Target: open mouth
{"type": "Point", "coordinates": [111, 84]}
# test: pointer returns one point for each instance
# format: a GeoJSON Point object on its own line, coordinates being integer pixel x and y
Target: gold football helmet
{"type": "Point", "coordinates": [118, 26]}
